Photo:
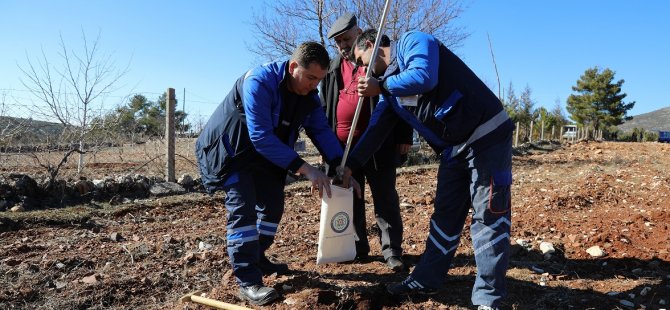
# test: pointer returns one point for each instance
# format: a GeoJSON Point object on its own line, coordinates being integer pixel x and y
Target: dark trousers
{"type": "Point", "coordinates": [255, 204]}
{"type": "Point", "coordinates": [382, 181]}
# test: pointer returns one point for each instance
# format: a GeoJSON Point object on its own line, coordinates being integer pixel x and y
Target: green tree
{"type": "Point", "coordinates": [140, 117]}
{"type": "Point", "coordinates": [557, 118]}
{"type": "Point", "coordinates": [598, 102]}
{"type": "Point", "coordinates": [526, 112]}
{"type": "Point", "coordinates": [511, 103]}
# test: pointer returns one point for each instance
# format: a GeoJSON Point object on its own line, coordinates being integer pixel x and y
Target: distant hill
{"type": "Point", "coordinates": [653, 121]}
{"type": "Point", "coordinates": [32, 131]}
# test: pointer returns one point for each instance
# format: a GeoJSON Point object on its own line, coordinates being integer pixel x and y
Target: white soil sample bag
{"type": "Point", "coordinates": [336, 228]}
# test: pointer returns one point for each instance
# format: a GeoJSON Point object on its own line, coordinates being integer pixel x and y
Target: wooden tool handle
{"type": "Point", "coordinates": [216, 304]}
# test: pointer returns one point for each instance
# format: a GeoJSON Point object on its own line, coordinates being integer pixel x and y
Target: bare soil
{"type": "Point", "coordinates": [147, 254]}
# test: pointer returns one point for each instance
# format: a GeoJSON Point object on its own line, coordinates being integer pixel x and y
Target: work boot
{"type": "Point", "coordinates": [258, 294]}
{"type": "Point", "coordinates": [396, 263]}
{"type": "Point", "coordinates": [268, 267]}
{"type": "Point", "coordinates": [409, 287]}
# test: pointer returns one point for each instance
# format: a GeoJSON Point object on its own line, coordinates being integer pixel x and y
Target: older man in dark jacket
{"type": "Point", "coordinates": [339, 96]}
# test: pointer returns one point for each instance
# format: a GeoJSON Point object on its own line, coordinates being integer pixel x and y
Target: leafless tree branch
{"type": "Point", "coordinates": [281, 25]}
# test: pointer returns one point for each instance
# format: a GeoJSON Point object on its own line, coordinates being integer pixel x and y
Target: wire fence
{"type": "Point", "coordinates": [38, 147]}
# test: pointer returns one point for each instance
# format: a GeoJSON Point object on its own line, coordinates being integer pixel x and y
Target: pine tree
{"type": "Point", "coordinates": [599, 102]}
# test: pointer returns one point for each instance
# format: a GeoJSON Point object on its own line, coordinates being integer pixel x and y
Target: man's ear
{"type": "Point", "coordinates": [369, 45]}
{"type": "Point", "coordinates": [291, 66]}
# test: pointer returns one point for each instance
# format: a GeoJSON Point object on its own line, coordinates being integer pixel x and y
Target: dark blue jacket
{"type": "Point", "coordinates": [241, 131]}
{"type": "Point", "coordinates": [453, 103]}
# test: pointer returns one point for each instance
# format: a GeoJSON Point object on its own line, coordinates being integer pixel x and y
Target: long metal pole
{"type": "Point", "coordinates": [368, 74]}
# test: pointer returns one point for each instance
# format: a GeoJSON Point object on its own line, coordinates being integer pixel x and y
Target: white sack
{"type": "Point", "coordinates": [336, 228]}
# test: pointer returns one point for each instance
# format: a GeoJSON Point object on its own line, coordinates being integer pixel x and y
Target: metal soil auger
{"type": "Point", "coordinates": [368, 74]}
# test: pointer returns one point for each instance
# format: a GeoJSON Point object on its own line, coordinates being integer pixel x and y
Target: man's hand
{"type": "Point", "coordinates": [368, 87]}
{"type": "Point", "coordinates": [403, 148]}
{"type": "Point", "coordinates": [320, 180]}
{"type": "Point", "coordinates": [345, 180]}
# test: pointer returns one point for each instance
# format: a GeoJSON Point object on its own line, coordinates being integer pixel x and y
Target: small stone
{"type": "Point", "coordinates": [169, 239]}
{"type": "Point", "coordinates": [645, 291]}
{"type": "Point", "coordinates": [92, 279]}
{"type": "Point", "coordinates": [547, 248]}
{"type": "Point", "coordinates": [627, 303]}
{"type": "Point", "coordinates": [115, 236]}
{"type": "Point", "coordinates": [525, 244]}
{"type": "Point", "coordinates": [290, 301]}
{"type": "Point", "coordinates": [595, 251]}
{"type": "Point", "coordinates": [662, 302]}
{"type": "Point", "coordinates": [18, 208]}
{"type": "Point", "coordinates": [637, 270]}
{"type": "Point", "coordinates": [204, 246]}
{"type": "Point", "coordinates": [286, 287]}
{"type": "Point", "coordinates": [60, 265]}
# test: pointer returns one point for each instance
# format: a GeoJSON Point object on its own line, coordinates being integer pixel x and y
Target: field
{"type": "Point", "coordinates": [147, 254]}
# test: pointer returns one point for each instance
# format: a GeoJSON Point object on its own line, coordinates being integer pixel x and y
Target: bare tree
{"type": "Point", "coordinates": [71, 88]}
{"type": "Point", "coordinates": [291, 22]}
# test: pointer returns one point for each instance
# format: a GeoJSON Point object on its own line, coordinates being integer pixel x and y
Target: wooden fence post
{"type": "Point", "coordinates": [530, 136]}
{"type": "Point", "coordinates": [169, 134]}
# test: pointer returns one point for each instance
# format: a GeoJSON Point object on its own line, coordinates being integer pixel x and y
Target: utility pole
{"type": "Point", "coordinates": [183, 110]}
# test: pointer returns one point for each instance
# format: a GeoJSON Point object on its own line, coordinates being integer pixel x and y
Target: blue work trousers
{"type": "Point", "coordinates": [480, 181]}
{"type": "Point", "coordinates": [255, 204]}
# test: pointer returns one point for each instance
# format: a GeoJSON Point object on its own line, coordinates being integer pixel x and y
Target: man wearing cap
{"type": "Point", "coordinates": [339, 95]}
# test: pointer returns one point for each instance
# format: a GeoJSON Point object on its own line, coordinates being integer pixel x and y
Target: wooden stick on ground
{"type": "Point", "coordinates": [196, 298]}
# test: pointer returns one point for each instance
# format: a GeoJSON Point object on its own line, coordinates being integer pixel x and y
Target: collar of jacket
{"type": "Point", "coordinates": [393, 66]}
{"type": "Point", "coordinates": [335, 63]}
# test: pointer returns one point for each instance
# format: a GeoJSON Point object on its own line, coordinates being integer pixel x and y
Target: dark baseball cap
{"type": "Point", "coordinates": [342, 24]}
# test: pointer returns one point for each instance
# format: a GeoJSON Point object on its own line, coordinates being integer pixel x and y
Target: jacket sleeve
{"type": "Point", "coordinates": [257, 98]}
{"type": "Point", "coordinates": [418, 55]}
{"type": "Point", "coordinates": [317, 129]}
{"type": "Point", "coordinates": [381, 124]}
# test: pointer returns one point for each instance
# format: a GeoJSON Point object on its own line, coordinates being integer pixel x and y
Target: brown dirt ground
{"type": "Point", "coordinates": [614, 195]}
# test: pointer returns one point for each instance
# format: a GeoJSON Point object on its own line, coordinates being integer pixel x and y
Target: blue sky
{"type": "Point", "coordinates": [201, 46]}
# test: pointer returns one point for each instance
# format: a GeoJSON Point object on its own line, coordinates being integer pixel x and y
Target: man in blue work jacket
{"type": "Point", "coordinates": [246, 149]}
{"type": "Point", "coordinates": [427, 86]}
